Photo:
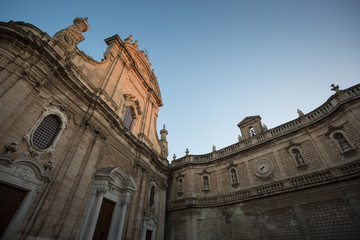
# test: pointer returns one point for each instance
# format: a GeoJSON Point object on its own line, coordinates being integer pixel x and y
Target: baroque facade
{"type": "Point", "coordinates": [82, 159]}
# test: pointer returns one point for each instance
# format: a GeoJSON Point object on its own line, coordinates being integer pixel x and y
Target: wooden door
{"type": "Point", "coordinates": [10, 200]}
{"type": "Point", "coordinates": [148, 234]}
{"type": "Point", "coordinates": [104, 220]}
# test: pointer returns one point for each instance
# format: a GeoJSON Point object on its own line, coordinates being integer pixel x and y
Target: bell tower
{"type": "Point", "coordinates": [251, 126]}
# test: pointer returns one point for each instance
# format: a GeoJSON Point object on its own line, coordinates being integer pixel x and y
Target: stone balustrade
{"type": "Point", "coordinates": [324, 110]}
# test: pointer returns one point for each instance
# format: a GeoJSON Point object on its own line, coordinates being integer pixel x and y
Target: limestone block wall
{"type": "Point", "coordinates": [276, 193]}
{"type": "Point", "coordinates": [322, 213]}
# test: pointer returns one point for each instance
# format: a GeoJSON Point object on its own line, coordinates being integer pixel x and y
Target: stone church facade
{"type": "Point", "coordinates": [81, 156]}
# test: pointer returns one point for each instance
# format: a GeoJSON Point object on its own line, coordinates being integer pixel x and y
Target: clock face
{"type": "Point", "coordinates": [263, 169]}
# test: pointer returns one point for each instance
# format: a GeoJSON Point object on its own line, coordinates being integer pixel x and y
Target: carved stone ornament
{"type": "Point", "coordinates": [129, 101]}
{"type": "Point", "coordinates": [292, 145]}
{"type": "Point", "coordinates": [205, 172]}
{"type": "Point", "coordinates": [34, 77]}
{"type": "Point", "coordinates": [263, 169]}
{"type": "Point", "coordinates": [33, 150]}
{"type": "Point", "coordinates": [11, 147]}
{"type": "Point", "coordinates": [125, 202]}
{"type": "Point", "coordinates": [335, 88]}
{"type": "Point", "coordinates": [3, 61]}
{"type": "Point", "coordinates": [102, 190]}
{"type": "Point", "coordinates": [95, 129]}
{"type": "Point", "coordinates": [24, 172]}
{"type": "Point", "coordinates": [72, 35]}
{"type": "Point", "coordinates": [231, 165]}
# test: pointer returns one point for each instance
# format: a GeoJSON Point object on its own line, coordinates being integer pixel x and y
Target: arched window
{"type": "Point", "coordinates": [152, 196]}
{"type": "Point", "coordinates": [342, 142]}
{"type": "Point", "coordinates": [128, 117]}
{"type": "Point", "coordinates": [46, 132]}
{"type": "Point", "coordinates": [180, 185]}
{"type": "Point", "coordinates": [233, 176]}
{"type": "Point", "coordinates": [298, 156]}
{"type": "Point", "coordinates": [252, 131]}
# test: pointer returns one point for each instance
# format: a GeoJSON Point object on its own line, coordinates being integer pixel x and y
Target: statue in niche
{"type": "Point", "coordinates": [180, 185]}
{"type": "Point", "coordinates": [343, 143]}
{"type": "Point", "coordinates": [206, 182]}
{"type": "Point", "coordinates": [298, 157]}
{"type": "Point", "coordinates": [233, 176]}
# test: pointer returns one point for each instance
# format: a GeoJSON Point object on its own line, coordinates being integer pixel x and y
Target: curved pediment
{"type": "Point", "coordinates": [116, 178]}
{"type": "Point", "coordinates": [24, 168]}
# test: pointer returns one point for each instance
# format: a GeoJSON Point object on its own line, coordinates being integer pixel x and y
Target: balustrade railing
{"type": "Point", "coordinates": [332, 103]}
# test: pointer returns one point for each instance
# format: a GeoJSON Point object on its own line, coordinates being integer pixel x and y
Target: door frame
{"type": "Point", "coordinates": [25, 174]}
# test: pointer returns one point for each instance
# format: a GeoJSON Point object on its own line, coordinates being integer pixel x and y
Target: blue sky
{"type": "Point", "coordinates": [220, 61]}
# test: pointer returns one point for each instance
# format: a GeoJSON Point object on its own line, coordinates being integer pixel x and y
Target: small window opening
{"type": "Point", "coordinates": [252, 131]}
{"type": "Point", "coordinates": [46, 132]}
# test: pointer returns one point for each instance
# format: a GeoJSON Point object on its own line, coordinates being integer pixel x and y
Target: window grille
{"type": "Point", "coordinates": [128, 118]}
{"type": "Point", "coordinates": [46, 132]}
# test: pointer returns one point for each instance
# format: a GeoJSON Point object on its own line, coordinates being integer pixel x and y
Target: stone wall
{"type": "Point", "coordinates": [322, 213]}
{"type": "Point", "coordinates": [277, 194]}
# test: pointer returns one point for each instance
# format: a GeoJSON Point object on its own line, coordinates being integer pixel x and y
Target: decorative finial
{"type": "Point", "coordinates": [136, 43]}
{"type": "Point", "coordinates": [300, 113]}
{"type": "Point", "coordinates": [214, 148]}
{"type": "Point", "coordinates": [81, 24]}
{"type": "Point", "coordinates": [11, 147]}
{"type": "Point", "coordinates": [129, 39]}
{"type": "Point", "coordinates": [48, 165]}
{"type": "Point", "coordinates": [335, 88]}
{"type": "Point", "coordinates": [239, 138]}
{"type": "Point", "coordinates": [72, 35]}
{"type": "Point", "coordinates": [265, 127]}
{"type": "Point", "coordinates": [174, 157]}
{"type": "Point", "coordinates": [187, 152]}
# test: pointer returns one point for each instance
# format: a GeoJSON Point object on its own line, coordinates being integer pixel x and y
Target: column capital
{"type": "Point", "coordinates": [125, 202]}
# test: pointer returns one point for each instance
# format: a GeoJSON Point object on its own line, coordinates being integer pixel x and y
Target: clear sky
{"type": "Point", "coordinates": [220, 61]}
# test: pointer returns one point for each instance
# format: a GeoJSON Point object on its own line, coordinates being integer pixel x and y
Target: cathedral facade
{"type": "Point", "coordinates": [81, 156]}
